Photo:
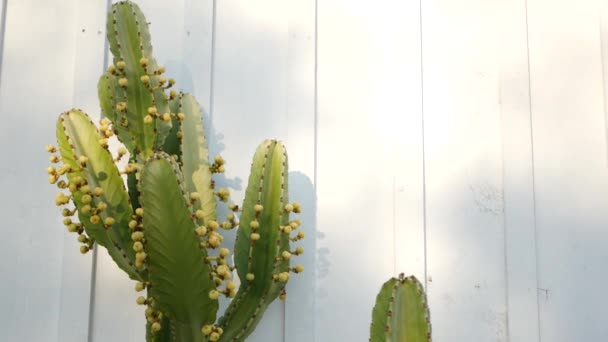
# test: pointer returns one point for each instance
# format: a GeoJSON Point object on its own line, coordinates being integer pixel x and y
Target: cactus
{"type": "Point", "coordinates": [163, 229]}
{"type": "Point", "coordinates": [401, 313]}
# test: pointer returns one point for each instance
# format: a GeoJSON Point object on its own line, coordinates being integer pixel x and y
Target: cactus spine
{"type": "Point", "coordinates": [401, 313]}
{"type": "Point", "coordinates": [163, 229]}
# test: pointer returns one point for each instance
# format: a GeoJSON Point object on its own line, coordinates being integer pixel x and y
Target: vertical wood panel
{"type": "Point", "coordinates": [116, 317]}
{"type": "Point", "coordinates": [77, 269]}
{"type": "Point", "coordinates": [463, 170]}
{"type": "Point", "coordinates": [36, 86]}
{"type": "Point", "coordinates": [300, 142]}
{"type": "Point", "coordinates": [369, 148]}
{"type": "Point", "coordinates": [519, 219]}
{"type": "Point", "coordinates": [250, 101]}
{"type": "Point", "coordinates": [570, 168]}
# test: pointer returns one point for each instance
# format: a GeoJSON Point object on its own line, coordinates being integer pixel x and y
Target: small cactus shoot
{"type": "Point", "coordinates": [401, 313]}
{"type": "Point", "coordinates": [162, 228]}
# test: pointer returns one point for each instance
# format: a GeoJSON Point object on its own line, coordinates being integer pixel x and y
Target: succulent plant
{"type": "Point", "coordinates": [401, 313]}
{"type": "Point", "coordinates": [163, 228]}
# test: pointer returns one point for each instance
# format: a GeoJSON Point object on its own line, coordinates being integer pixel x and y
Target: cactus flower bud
{"type": "Point", "coordinates": [148, 119]}
{"type": "Point", "coordinates": [286, 255]}
{"type": "Point", "coordinates": [214, 295]}
{"type": "Point", "coordinates": [123, 82]}
{"type": "Point", "coordinates": [287, 229]}
{"type": "Point", "coordinates": [201, 231]}
{"type": "Point", "coordinates": [254, 224]}
{"type": "Point", "coordinates": [155, 327]}
{"type": "Point", "coordinates": [299, 250]}
{"type": "Point", "coordinates": [54, 159]}
{"type": "Point", "coordinates": [139, 286]}
{"type": "Point", "coordinates": [72, 228]}
{"type": "Point", "coordinates": [145, 79]}
{"type": "Point", "coordinates": [250, 276]}
{"type": "Point", "coordinates": [283, 277]}
{"type": "Point", "coordinates": [132, 224]}
{"type": "Point", "coordinates": [206, 330]}
{"type": "Point", "coordinates": [102, 206]}
{"type": "Point", "coordinates": [53, 179]}
{"type": "Point", "coordinates": [98, 191]}
{"type": "Point", "coordinates": [139, 212]}
{"type": "Point", "coordinates": [299, 268]}
{"type": "Point", "coordinates": [181, 116]}
{"type": "Point", "coordinates": [121, 106]}
{"type": "Point", "coordinates": [85, 209]}
{"type": "Point", "coordinates": [138, 246]}
{"type": "Point", "coordinates": [214, 337]}
{"type": "Point", "coordinates": [84, 249]}
{"type": "Point", "coordinates": [224, 252]}
{"type": "Point", "coordinates": [166, 117]}
{"type": "Point", "coordinates": [255, 236]}
{"type": "Point", "coordinates": [109, 221]}
{"type": "Point", "coordinates": [141, 300]}
{"type": "Point", "coordinates": [283, 296]}
{"type": "Point", "coordinates": [300, 235]}
{"type": "Point", "coordinates": [51, 149]}
{"type": "Point", "coordinates": [121, 65]}
{"type": "Point", "coordinates": [94, 219]}
{"type": "Point", "coordinates": [288, 208]}
{"type": "Point", "coordinates": [258, 208]}
{"type": "Point", "coordinates": [141, 256]}
{"type": "Point", "coordinates": [199, 214]}
{"type": "Point", "coordinates": [137, 236]}
{"type": "Point", "coordinates": [143, 61]}
{"type": "Point", "coordinates": [82, 239]}
{"type": "Point", "coordinates": [212, 225]}
{"type": "Point", "coordinates": [172, 95]}
{"type": "Point", "coordinates": [51, 170]}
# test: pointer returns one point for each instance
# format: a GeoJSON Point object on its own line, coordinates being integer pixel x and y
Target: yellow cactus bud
{"type": "Point", "coordinates": [143, 61]}
{"type": "Point", "coordinates": [181, 116]}
{"type": "Point", "coordinates": [296, 207]}
{"type": "Point", "coordinates": [161, 69]}
{"type": "Point", "coordinates": [214, 337]}
{"type": "Point", "coordinates": [213, 225]}
{"type": "Point", "coordinates": [112, 69]}
{"type": "Point", "coordinates": [139, 263]}
{"type": "Point", "coordinates": [82, 239]}
{"type": "Point", "coordinates": [137, 236]}
{"type": "Point", "coordinates": [141, 300]}
{"type": "Point", "coordinates": [214, 295]}
{"type": "Point", "coordinates": [141, 256]}
{"type": "Point", "coordinates": [121, 106]}
{"type": "Point", "coordinates": [283, 277]}
{"type": "Point", "coordinates": [299, 250]}
{"type": "Point", "coordinates": [214, 240]}
{"type": "Point", "coordinates": [258, 208]}
{"type": "Point", "coordinates": [254, 224]}
{"type": "Point", "coordinates": [109, 221]}
{"type": "Point", "coordinates": [84, 249]}
{"type": "Point", "coordinates": [51, 170]}
{"type": "Point", "coordinates": [194, 196]}
{"type": "Point", "coordinates": [98, 191]}
{"type": "Point", "coordinates": [85, 189]}
{"type": "Point", "coordinates": [139, 212]}
{"type": "Point", "coordinates": [102, 206]}
{"type": "Point", "coordinates": [148, 119]}
{"type": "Point", "coordinates": [152, 110]}
{"type": "Point", "coordinates": [250, 276]}
{"type": "Point", "coordinates": [123, 82]}
{"type": "Point", "coordinates": [121, 65]}
{"type": "Point", "coordinates": [227, 225]}
{"type": "Point", "coordinates": [201, 231]}
{"type": "Point", "coordinates": [72, 228]}
{"type": "Point", "coordinates": [294, 224]}
{"type": "Point", "coordinates": [223, 270]}
{"type": "Point", "coordinates": [172, 95]}
{"type": "Point", "coordinates": [171, 82]}
{"type": "Point", "coordinates": [255, 236]}
{"type": "Point", "coordinates": [300, 235]}
{"type": "Point", "coordinates": [166, 117]}
{"type": "Point", "coordinates": [179, 134]}
{"type": "Point", "coordinates": [288, 208]}
{"type": "Point", "coordinates": [299, 268]}
{"type": "Point", "coordinates": [206, 330]}
{"type": "Point", "coordinates": [132, 224]}
{"type": "Point", "coordinates": [199, 214]}
{"type": "Point", "coordinates": [138, 246]}
{"type": "Point", "coordinates": [287, 229]}
{"type": "Point", "coordinates": [54, 159]}
{"type": "Point", "coordinates": [230, 285]}
{"type": "Point", "coordinates": [85, 209]}
{"type": "Point", "coordinates": [94, 219]}
{"type": "Point", "coordinates": [53, 179]}
{"type": "Point", "coordinates": [286, 255]}
{"type": "Point", "coordinates": [103, 142]}
{"type": "Point", "coordinates": [51, 149]}
{"type": "Point", "coordinates": [86, 198]}
{"type": "Point", "coordinates": [67, 221]}
{"type": "Point", "coordinates": [224, 252]}
{"type": "Point", "coordinates": [122, 151]}
{"type": "Point", "coordinates": [221, 169]}
{"type": "Point", "coordinates": [139, 286]}
{"type": "Point", "coordinates": [155, 327]}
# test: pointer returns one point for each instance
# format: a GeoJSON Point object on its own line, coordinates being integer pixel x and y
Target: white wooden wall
{"type": "Point", "coordinates": [463, 141]}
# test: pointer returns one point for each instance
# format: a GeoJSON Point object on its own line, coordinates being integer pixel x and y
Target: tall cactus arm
{"type": "Point", "coordinates": [130, 44]}
{"type": "Point", "coordinates": [99, 193]}
{"type": "Point", "coordinates": [401, 313]}
{"type": "Point", "coordinates": [110, 94]}
{"type": "Point", "coordinates": [179, 273]}
{"type": "Point", "coordinates": [195, 157]}
{"type": "Point", "coordinates": [260, 242]}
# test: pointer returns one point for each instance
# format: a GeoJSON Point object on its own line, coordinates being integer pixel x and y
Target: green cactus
{"type": "Point", "coordinates": [163, 228]}
{"type": "Point", "coordinates": [401, 313]}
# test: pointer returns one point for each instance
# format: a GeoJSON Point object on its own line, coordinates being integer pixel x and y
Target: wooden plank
{"type": "Point", "coordinates": [114, 300]}
{"type": "Point", "coordinates": [36, 85]}
{"type": "Point", "coordinates": [76, 272]}
{"type": "Point", "coordinates": [518, 175]}
{"type": "Point", "coordinates": [300, 142]}
{"type": "Point", "coordinates": [463, 170]}
{"type": "Point", "coordinates": [249, 101]}
{"type": "Point", "coordinates": [570, 168]}
{"type": "Point", "coordinates": [520, 230]}
{"type": "Point", "coordinates": [369, 160]}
